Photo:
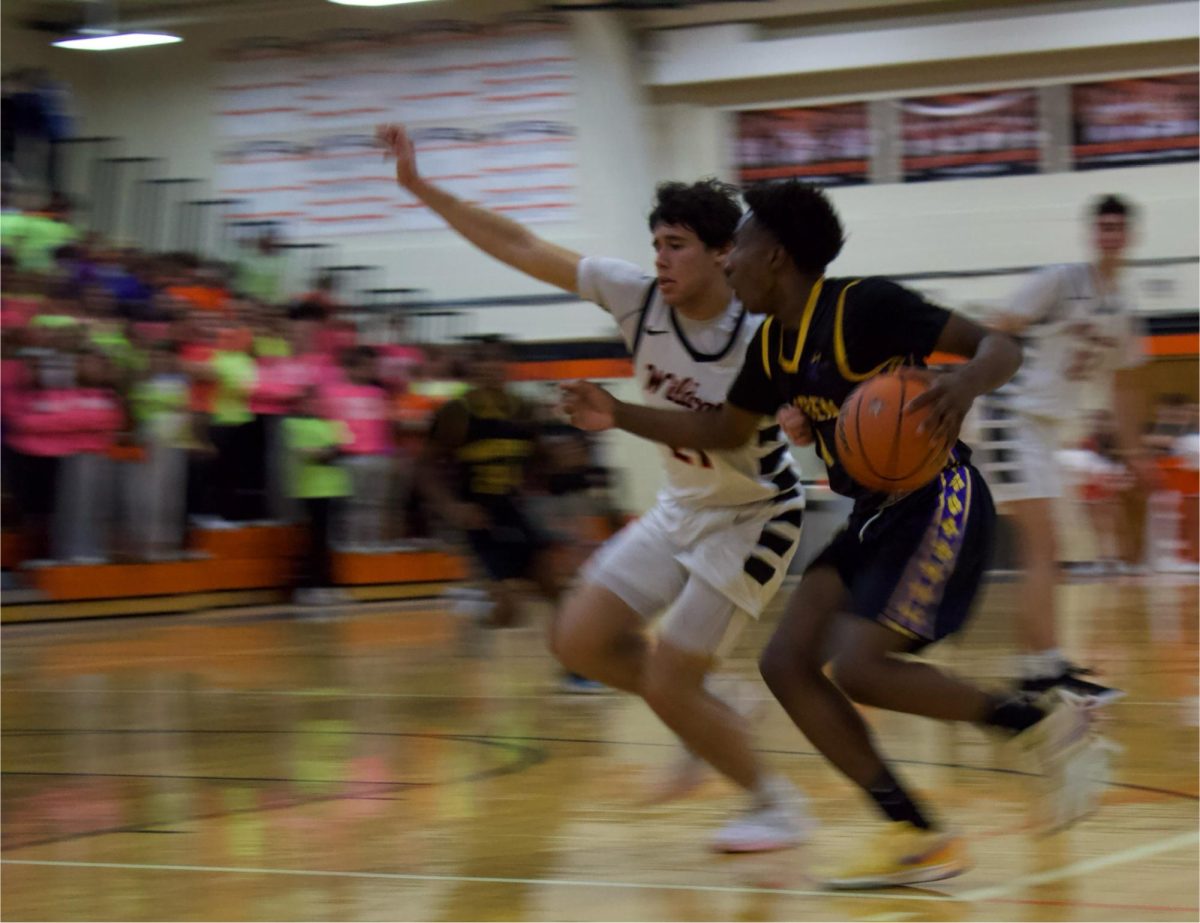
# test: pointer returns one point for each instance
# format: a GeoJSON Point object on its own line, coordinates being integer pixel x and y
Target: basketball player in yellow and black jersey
{"type": "Point", "coordinates": [904, 571]}
{"type": "Point", "coordinates": [474, 469]}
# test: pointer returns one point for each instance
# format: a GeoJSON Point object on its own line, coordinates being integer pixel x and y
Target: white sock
{"type": "Point", "coordinates": [1041, 664]}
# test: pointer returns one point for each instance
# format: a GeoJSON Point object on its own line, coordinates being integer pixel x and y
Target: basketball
{"type": "Point", "coordinates": [877, 441]}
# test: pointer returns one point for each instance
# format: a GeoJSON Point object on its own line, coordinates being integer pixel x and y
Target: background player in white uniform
{"type": "Point", "coordinates": [717, 544]}
{"type": "Point", "coordinates": [1077, 329]}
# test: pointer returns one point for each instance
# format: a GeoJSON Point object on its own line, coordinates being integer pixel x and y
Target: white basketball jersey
{"type": "Point", "coordinates": [690, 365]}
{"type": "Point", "coordinates": [1077, 336]}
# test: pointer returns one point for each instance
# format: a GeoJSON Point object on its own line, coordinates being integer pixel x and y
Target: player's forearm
{"type": "Point", "coordinates": [497, 236]}
{"type": "Point", "coordinates": [680, 428]}
{"type": "Point", "coordinates": [996, 361]}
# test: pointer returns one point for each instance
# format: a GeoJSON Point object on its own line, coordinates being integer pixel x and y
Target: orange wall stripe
{"type": "Point", "coordinates": [1172, 344]}
{"type": "Point", "coordinates": [401, 567]}
{"type": "Point", "coordinates": [569, 369]}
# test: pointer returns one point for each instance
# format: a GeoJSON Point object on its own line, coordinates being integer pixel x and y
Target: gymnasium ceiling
{"type": "Point", "coordinates": [772, 15]}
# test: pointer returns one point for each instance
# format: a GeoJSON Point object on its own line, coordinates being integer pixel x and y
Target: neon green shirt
{"type": "Point", "coordinates": [236, 374]}
{"type": "Point", "coordinates": [313, 479]}
{"type": "Point", "coordinates": [35, 238]}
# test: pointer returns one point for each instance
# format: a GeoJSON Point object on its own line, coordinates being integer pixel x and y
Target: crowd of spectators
{"type": "Point", "coordinates": [147, 394]}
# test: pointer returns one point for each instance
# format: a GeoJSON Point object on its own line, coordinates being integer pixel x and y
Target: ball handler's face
{"type": "Point", "coordinates": [748, 266]}
{"type": "Point", "coordinates": [686, 268]}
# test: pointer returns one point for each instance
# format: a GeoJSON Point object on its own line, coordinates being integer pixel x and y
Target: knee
{"type": "Point", "coordinates": [578, 650]}
{"type": "Point", "coordinates": [567, 649]}
{"type": "Point", "coordinates": [670, 675]}
{"type": "Point", "coordinates": [857, 677]}
{"type": "Point", "coordinates": [783, 667]}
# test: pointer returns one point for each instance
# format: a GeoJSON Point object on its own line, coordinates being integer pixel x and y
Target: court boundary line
{"type": "Point", "coordinates": [997, 892]}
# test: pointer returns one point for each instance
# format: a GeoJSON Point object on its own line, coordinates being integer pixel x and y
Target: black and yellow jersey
{"type": "Point", "coordinates": [851, 330]}
{"type": "Point", "coordinates": [491, 435]}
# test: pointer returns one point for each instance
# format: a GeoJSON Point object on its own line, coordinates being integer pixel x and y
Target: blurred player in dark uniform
{"type": "Point", "coordinates": [474, 470]}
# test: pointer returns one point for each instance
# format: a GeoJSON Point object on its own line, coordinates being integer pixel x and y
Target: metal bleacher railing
{"type": "Point", "coordinates": [133, 199]}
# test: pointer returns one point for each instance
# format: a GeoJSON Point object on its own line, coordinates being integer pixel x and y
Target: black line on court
{"type": "Point", "coordinates": [501, 741]}
{"type": "Point", "coordinates": [157, 831]}
{"type": "Point", "coordinates": [527, 757]}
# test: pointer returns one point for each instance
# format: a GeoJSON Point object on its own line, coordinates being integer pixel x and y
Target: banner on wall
{"type": "Point", "coordinates": [956, 135]}
{"type": "Point", "coordinates": [827, 145]}
{"type": "Point", "coordinates": [1121, 123]}
{"type": "Point", "coordinates": [490, 109]}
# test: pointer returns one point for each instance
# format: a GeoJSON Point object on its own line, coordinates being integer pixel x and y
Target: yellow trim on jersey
{"type": "Point", "coordinates": [487, 449]}
{"type": "Point", "coordinates": [839, 345]}
{"type": "Point", "coordinates": [766, 338]}
{"type": "Point", "coordinates": [791, 366]}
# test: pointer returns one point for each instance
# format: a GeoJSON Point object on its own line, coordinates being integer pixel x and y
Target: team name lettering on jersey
{"type": "Point", "coordinates": [679, 390]}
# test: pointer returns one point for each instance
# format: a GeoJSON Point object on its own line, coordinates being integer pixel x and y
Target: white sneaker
{"type": "Point", "coordinates": [780, 824]}
{"type": "Point", "coordinates": [1072, 759]}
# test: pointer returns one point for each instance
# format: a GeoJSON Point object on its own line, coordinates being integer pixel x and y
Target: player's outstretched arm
{"type": "Point", "coordinates": [592, 408]}
{"type": "Point", "coordinates": [495, 235]}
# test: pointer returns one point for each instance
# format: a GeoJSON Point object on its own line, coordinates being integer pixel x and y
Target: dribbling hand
{"type": "Point", "coordinates": [589, 406]}
{"type": "Point", "coordinates": [398, 145]}
{"type": "Point", "coordinates": [948, 400]}
{"type": "Point", "coordinates": [795, 425]}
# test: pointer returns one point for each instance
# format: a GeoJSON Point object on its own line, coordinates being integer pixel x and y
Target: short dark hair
{"type": "Point", "coordinates": [1112, 205]}
{"type": "Point", "coordinates": [307, 311]}
{"type": "Point", "coordinates": [803, 220]}
{"type": "Point", "coordinates": [708, 207]}
{"type": "Point", "coordinates": [361, 353]}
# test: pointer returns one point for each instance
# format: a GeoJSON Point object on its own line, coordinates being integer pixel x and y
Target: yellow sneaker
{"type": "Point", "coordinates": [902, 854]}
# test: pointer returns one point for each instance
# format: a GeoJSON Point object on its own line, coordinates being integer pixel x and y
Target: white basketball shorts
{"type": "Point", "coordinates": [674, 559]}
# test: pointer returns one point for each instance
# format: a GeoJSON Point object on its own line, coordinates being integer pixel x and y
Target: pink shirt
{"type": "Point", "coordinates": [15, 379]}
{"type": "Point", "coordinates": [333, 338]}
{"type": "Point", "coordinates": [398, 365]}
{"type": "Point", "coordinates": [283, 380]}
{"type": "Point", "coordinates": [65, 421]}
{"type": "Point", "coordinates": [366, 411]}
{"type": "Point", "coordinates": [17, 310]}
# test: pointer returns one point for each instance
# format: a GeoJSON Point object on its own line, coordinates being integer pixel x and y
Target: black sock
{"type": "Point", "coordinates": [895, 802]}
{"type": "Point", "coordinates": [1014, 714]}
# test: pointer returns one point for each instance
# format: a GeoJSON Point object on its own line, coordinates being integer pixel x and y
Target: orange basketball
{"type": "Point", "coordinates": [878, 443]}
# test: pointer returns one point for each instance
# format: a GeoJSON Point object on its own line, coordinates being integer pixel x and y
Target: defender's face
{"type": "Point", "coordinates": [684, 265]}
{"type": "Point", "coordinates": [1110, 235]}
{"type": "Point", "coordinates": [748, 265]}
{"type": "Point", "coordinates": [489, 366]}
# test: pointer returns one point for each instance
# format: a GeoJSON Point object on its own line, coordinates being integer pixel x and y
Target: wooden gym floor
{"type": "Point", "coordinates": [383, 764]}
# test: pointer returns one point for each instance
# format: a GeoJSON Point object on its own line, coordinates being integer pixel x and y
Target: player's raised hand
{"type": "Point", "coordinates": [589, 406]}
{"type": "Point", "coordinates": [795, 425]}
{"type": "Point", "coordinates": [398, 145]}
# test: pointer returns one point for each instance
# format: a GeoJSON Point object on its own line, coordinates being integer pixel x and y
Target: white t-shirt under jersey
{"type": "Point", "coordinates": [687, 364]}
{"type": "Point", "coordinates": [1077, 336]}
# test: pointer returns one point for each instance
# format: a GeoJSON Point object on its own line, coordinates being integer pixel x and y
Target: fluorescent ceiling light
{"type": "Point", "coordinates": [375, 2]}
{"type": "Point", "coordinates": [92, 40]}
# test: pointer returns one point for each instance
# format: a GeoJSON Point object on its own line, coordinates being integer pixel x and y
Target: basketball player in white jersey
{"type": "Point", "coordinates": [1077, 329]}
{"type": "Point", "coordinates": [717, 544]}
